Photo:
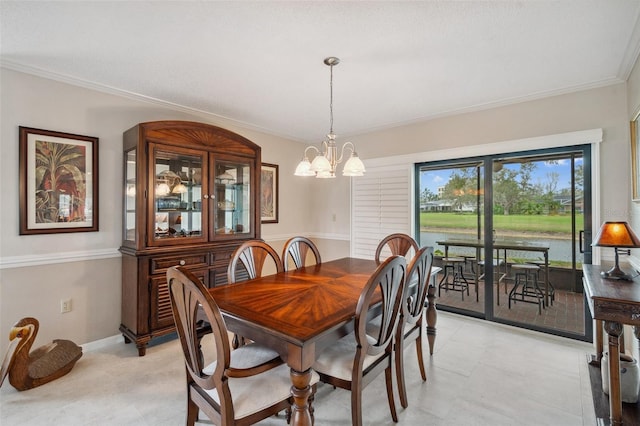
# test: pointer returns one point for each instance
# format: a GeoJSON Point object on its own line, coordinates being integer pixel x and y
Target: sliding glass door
{"type": "Point", "coordinates": [451, 208]}
{"type": "Point", "coordinates": [515, 221]}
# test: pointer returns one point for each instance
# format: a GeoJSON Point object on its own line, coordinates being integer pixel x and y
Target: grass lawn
{"type": "Point", "coordinates": [558, 224]}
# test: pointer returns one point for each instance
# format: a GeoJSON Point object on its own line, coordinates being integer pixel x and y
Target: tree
{"type": "Point", "coordinates": [462, 188]}
{"type": "Point", "coordinates": [506, 190]}
{"type": "Point", "coordinates": [427, 195]}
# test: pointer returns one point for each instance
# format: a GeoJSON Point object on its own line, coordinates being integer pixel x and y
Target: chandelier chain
{"type": "Point", "coordinates": [331, 99]}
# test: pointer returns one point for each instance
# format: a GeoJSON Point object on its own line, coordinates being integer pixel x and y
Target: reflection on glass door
{"type": "Point", "coordinates": [537, 215]}
{"type": "Point", "coordinates": [533, 208]}
{"type": "Point", "coordinates": [451, 220]}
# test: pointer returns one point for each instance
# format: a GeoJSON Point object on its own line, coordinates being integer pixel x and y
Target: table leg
{"type": "Point", "coordinates": [595, 359]}
{"type": "Point", "coordinates": [301, 391]}
{"type": "Point", "coordinates": [477, 273]}
{"type": "Point", "coordinates": [432, 315]}
{"type": "Point", "coordinates": [614, 329]}
{"type": "Point", "coordinates": [546, 278]}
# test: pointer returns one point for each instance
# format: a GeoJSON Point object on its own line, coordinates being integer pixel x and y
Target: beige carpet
{"type": "Point", "coordinates": [481, 374]}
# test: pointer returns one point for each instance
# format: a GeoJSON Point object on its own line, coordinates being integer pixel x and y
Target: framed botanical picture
{"type": "Point", "coordinates": [635, 160]}
{"type": "Point", "coordinates": [58, 182]}
{"type": "Point", "coordinates": [269, 193]}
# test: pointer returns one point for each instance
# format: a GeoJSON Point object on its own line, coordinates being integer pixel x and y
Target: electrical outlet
{"type": "Point", "coordinates": [65, 306]}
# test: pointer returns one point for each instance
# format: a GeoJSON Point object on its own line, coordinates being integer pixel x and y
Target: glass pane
{"type": "Point", "coordinates": [538, 203]}
{"type": "Point", "coordinates": [130, 196]}
{"type": "Point", "coordinates": [451, 220]}
{"type": "Point", "coordinates": [178, 195]}
{"type": "Point", "coordinates": [232, 192]}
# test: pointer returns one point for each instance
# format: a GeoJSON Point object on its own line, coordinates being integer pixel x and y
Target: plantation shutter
{"type": "Point", "coordinates": [381, 205]}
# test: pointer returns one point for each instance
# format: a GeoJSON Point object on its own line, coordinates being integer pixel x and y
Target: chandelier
{"type": "Point", "coordinates": [326, 159]}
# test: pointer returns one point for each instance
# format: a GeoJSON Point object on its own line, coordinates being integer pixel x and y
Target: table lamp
{"type": "Point", "coordinates": [616, 235]}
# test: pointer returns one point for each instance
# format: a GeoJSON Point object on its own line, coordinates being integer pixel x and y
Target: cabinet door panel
{"type": "Point", "coordinates": [176, 191]}
{"type": "Point", "coordinates": [161, 314]}
{"type": "Point", "coordinates": [233, 195]}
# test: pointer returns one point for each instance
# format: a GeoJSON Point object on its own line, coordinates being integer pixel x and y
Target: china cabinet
{"type": "Point", "coordinates": [190, 198]}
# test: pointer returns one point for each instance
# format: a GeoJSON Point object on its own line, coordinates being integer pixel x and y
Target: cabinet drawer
{"type": "Point", "coordinates": [161, 264]}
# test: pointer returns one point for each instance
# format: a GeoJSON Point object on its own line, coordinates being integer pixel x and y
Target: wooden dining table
{"type": "Point", "coordinates": [300, 312]}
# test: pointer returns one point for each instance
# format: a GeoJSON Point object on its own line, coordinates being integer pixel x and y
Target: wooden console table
{"type": "Point", "coordinates": [612, 303]}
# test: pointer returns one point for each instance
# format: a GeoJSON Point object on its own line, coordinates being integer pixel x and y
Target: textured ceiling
{"type": "Point", "coordinates": [261, 63]}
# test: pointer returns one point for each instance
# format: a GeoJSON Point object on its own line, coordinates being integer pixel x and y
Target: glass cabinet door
{"type": "Point", "coordinates": [130, 162]}
{"type": "Point", "coordinates": [232, 197]}
{"type": "Point", "coordinates": [177, 192]}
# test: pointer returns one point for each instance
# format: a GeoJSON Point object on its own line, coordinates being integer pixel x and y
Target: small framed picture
{"type": "Point", "coordinates": [58, 182]}
{"type": "Point", "coordinates": [269, 193]}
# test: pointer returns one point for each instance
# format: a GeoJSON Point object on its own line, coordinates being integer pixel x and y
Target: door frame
{"type": "Point", "coordinates": [589, 153]}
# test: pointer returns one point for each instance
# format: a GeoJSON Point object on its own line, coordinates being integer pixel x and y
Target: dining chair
{"type": "Point", "coordinates": [296, 249]}
{"type": "Point", "coordinates": [252, 255]}
{"type": "Point", "coordinates": [397, 244]}
{"type": "Point", "coordinates": [359, 357]}
{"type": "Point", "coordinates": [239, 387]}
{"type": "Point", "coordinates": [247, 262]}
{"type": "Point", "coordinates": [412, 319]}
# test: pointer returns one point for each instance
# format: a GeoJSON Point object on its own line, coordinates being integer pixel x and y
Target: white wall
{"type": "Point", "coordinates": [597, 108]}
{"type": "Point", "coordinates": [633, 108]}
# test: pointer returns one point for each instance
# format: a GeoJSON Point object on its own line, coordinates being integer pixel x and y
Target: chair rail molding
{"type": "Point", "coordinates": [8, 262]}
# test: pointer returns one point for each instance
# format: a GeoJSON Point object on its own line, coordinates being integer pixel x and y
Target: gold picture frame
{"type": "Point", "coordinates": [58, 182]}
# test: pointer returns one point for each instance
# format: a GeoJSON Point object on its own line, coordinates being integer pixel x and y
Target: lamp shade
{"type": "Point", "coordinates": [320, 164]}
{"type": "Point", "coordinates": [616, 234]}
{"type": "Point", "coordinates": [304, 168]}
{"type": "Point", "coordinates": [354, 166]}
{"type": "Point", "coordinates": [162, 189]}
{"type": "Point", "coordinates": [179, 189]}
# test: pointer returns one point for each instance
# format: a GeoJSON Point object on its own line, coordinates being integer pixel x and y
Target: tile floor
{"type": "Point", "coordinates": [481, 373]}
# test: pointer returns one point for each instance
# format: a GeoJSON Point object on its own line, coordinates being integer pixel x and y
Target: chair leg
{"type": "Point", "coordinates": [356, 404]}
{"type": "Point", "coordinates": [192, 411]}
{"type": "Point", "coordinates": [423, 372]}
{"type": "Point", "coordinates": [388, 374]}
{"type": "Point", "coordinates": [312, 409]}
{"type": "Point", "coordinates": [399, 367]}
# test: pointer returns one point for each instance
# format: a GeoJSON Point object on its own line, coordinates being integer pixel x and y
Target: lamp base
{"type": "Point", "coordinates": [616, 273]}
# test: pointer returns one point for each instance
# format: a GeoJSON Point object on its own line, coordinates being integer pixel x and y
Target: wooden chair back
{"type": "Point", "coordinates": [416, 285]}
{"type": "Point", "coordinates": [398, 244]}
{"type": "Point", "coordinates": [374, 340]}
{"type": "Point", "coordinates": [252, 255]}
{"type": "Point", "coordinates": [389, 281]}
{"type": "Point", "coordinates": [189, 301]}
{"type": "Point", "coordinates": [296, 249]}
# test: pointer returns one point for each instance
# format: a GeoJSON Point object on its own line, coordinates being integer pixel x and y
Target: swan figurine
{"type": "Point", "coordinates": [27, 369]}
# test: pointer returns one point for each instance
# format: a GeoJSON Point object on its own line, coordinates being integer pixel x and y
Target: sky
{"type": "Point", "coordinates": [437, 178]}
